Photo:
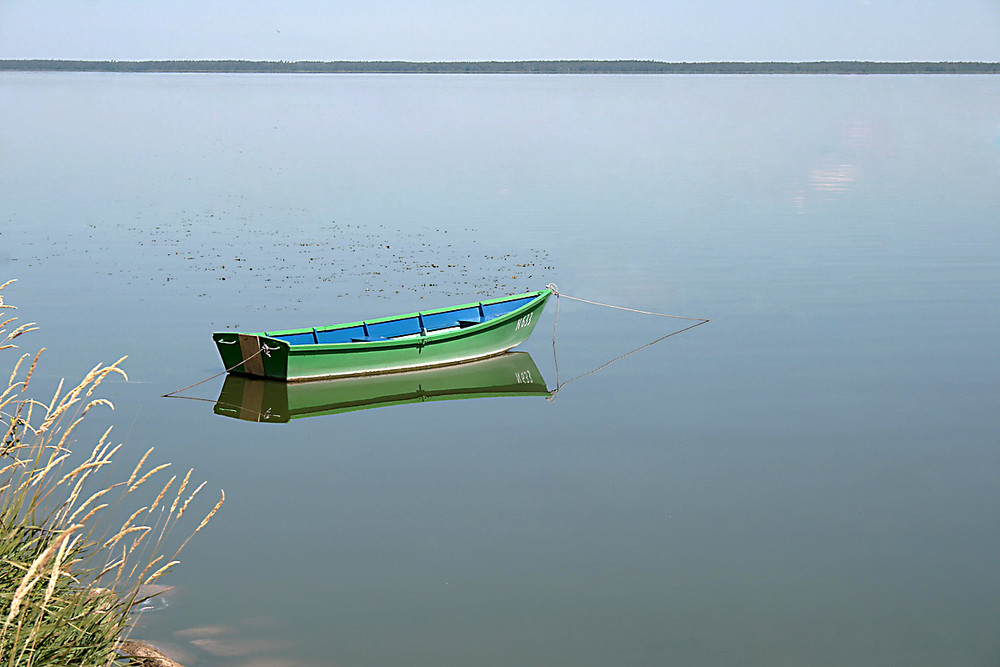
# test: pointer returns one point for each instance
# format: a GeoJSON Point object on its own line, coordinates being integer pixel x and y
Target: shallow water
{"type": "Point", "coordinates": [810, 478]}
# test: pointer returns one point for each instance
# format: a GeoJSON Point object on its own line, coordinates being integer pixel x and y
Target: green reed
{"type": "Point", "coordinates": [70, 575]}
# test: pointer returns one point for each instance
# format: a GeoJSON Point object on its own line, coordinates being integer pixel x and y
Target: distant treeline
{"type": "Point", "coordinates": [500, 67]}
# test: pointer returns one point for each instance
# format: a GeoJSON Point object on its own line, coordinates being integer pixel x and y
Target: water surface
{"type": "Point", "coordinates": [810, 478]}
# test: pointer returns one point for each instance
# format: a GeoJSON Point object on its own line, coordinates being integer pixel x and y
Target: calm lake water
{"type": "Point", "coordinates": [808, 479]}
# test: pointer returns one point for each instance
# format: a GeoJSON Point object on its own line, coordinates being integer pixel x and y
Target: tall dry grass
{"type": "Point", "coordinates": [70, 575]}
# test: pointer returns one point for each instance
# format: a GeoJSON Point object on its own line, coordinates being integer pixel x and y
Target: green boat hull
{"type": "Point", "coordinates": [283, 356]}
{"type": "Point", "coordinates": [260, 400]}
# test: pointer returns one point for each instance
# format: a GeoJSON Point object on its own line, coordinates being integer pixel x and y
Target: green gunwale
{"type": "Point", "coordinates": [435, 311]}
{"type": "Point", "coordinates": [310, 361]}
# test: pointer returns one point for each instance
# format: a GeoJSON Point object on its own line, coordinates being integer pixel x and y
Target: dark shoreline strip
{"type": "Point", "coordinates": [498, 67]}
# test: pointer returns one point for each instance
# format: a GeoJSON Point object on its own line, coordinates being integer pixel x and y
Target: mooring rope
{"type": "Point", "coordinates": [263, 349]}
{"type": "Point", "coordinates": [555, 290]}
{"type": "Point", "coordinates": [698, 321]}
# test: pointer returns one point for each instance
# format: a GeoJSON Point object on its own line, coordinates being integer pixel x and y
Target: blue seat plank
{"type": "Point", "coordinates": [450, 318]}
{"type": "Point", "coordinates": [343, 335]}
{"type": "Point", "coordinates": [407, 326]}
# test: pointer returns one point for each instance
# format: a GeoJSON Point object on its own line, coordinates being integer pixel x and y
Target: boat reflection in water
{"type": "Point", "coordinates": [259, 400]}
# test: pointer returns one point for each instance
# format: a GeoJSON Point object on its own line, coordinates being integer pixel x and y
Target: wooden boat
{"type": "Point", "coordinates": [415, 340]}
{"type": "Point", "coordinates": [259, 400]}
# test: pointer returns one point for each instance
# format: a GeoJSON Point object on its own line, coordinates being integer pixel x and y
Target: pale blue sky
{"type": "Point", "coordinates": [678, 30]}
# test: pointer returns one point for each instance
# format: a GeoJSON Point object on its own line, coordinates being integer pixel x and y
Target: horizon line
{"type": "Point", "coordinates": [512, 67]}
{"type": "Point", "coordinates": [518, 60]}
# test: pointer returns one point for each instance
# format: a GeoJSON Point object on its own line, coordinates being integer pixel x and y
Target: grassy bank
{"type": "Point", "coordinates": [70, 573]}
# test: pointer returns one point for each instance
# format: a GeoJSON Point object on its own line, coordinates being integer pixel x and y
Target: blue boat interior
{"type": "Point", "coordinates": [411, 325]}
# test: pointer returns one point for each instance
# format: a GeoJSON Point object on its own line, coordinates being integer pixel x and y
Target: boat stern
{"type": "Point", "coordinates": [253, 354]}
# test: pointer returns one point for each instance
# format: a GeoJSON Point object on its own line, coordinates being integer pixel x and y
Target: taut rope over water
{"type": "Point", "coordinates": [698, 321]}
{"type": "Point", "coordinates": [555, 290]}
{"type": "Point", "coordinates": [263, 348]}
